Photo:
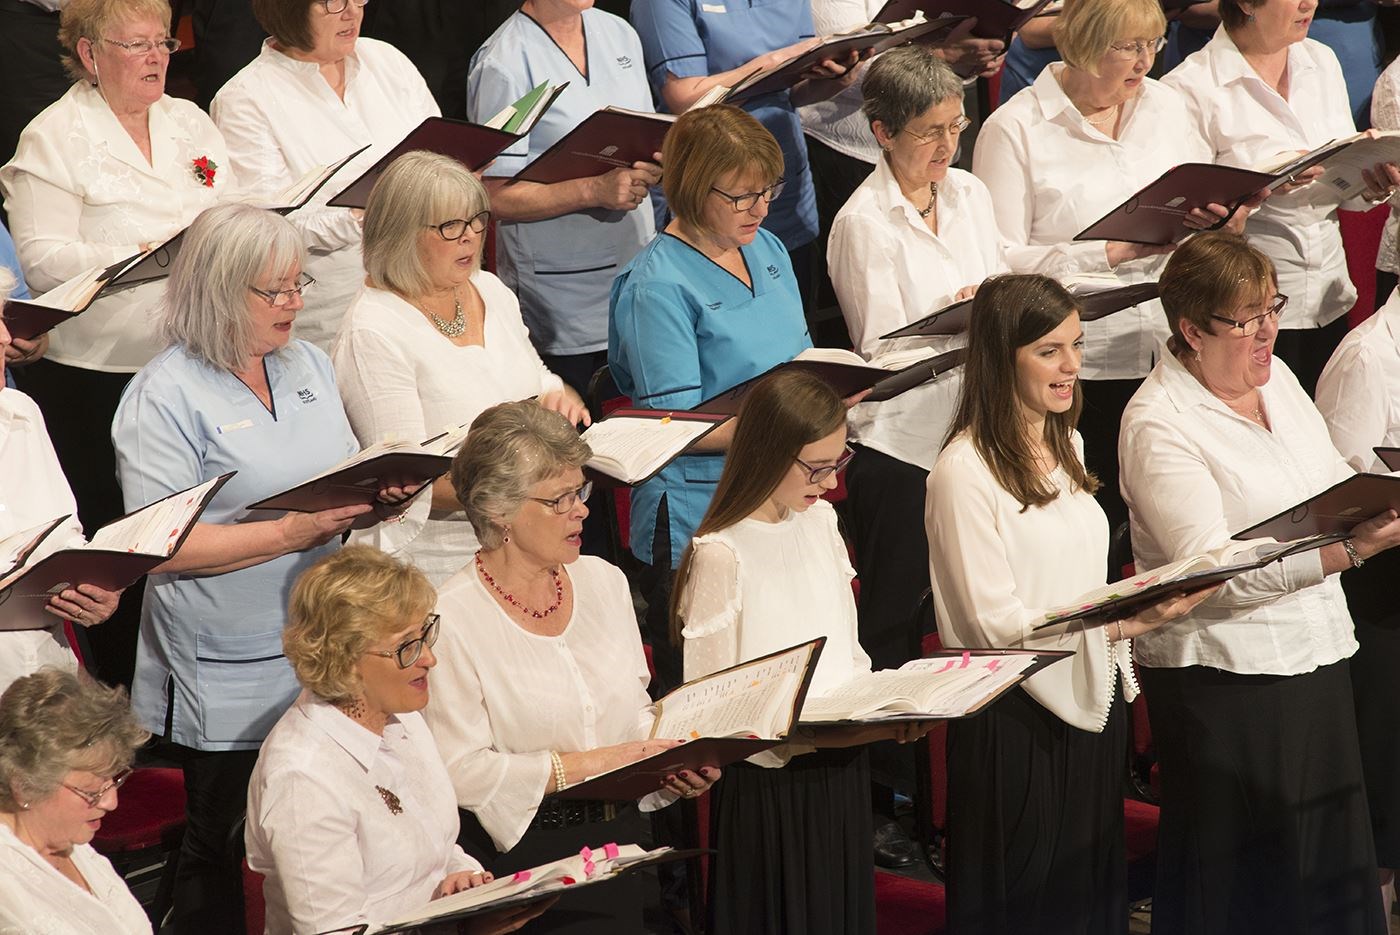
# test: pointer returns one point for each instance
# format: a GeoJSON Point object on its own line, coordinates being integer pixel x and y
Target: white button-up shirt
{"type": "Point", "coordinates": [80, 194]}
{"type": "Point", "coordinates": [1249, 125]}
{"type": "Point", "coordinates": [333, 853]}
{"type": "Point", "coordinates": [35, 899]}
{"type": "Point", "coordinates": [1193, 473]}
{"type": "Point", "coordinates": [1359, 390]}
{"type": "Point", "coordinates": [889, 270]}
{"type": "Point", "coordinates": [281, 120]}
{"type": "Point", "coordinates": [1052, 174]}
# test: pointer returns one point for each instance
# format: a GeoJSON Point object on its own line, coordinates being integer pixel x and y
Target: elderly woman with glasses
{"type": "Point", "coordinates": [317, 92]}
{"type": "Point", "coordinates": [432, 340]}
{"type": "Point", "coordinates": [543, 681]}
{"type": "Point", "coordinates": [234, 392]}
{"type": "Point", "coordinates": [114, 166]}
{"type": "Point", "coordinates": [66, 746]}
{"type": "Point", "coordinates": [711, 302]}
{"type": "Point", "coordinates": [351, 814]}
{"type": "Point", "coordinates": [1264, 813]}
{"type": "Point", "coordinates": [1090, 132]}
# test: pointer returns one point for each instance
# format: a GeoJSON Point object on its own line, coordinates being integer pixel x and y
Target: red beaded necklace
{"type": "Point", "coordinates": [510, 598]}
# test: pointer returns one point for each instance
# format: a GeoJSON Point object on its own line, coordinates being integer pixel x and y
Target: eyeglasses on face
{"type": "Point", "coordinates": [456, 228]}
{"type": "Point", "coordinates": [567, 500]}
{"type": "Point", "coordinates": [282, 297]}
{"type": "Point", "coordinates": [1249, 327]}
{"type": "Point", "coordinates": [139, 47]}
{"type": "Point", "coordinates": [747, 200]}
{"type": "Point", "coordinates": [815, 475]}
{"type": "Point", "coordinates": [952, 131]}
{"type": "Point", "coordinates": [1136, 48]}
{"type": "Point", "coordinates": [408, 651]}
{"type": "Point", "coordinates": [338, 6]}
{"type": "Point", "coordinates": [93, 796]}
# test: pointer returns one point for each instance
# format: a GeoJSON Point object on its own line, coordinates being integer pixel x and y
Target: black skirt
{"type": "Point", "coordinates": [795, 847]}
{"type": "Point", "coordinates": [1264, 825]}
{"type": "Point", "coordinates": [612, 908]}
{"type": "Point", "coordinates": [1371, 597]}
{"type": "Point", "coordinates": [1035, 823]}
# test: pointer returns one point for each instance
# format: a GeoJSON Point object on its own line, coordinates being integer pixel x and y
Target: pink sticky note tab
{"type": "Point", "coordinates": [994, 665]}
{"type": "Point", "coordinates": [586, 854]}
{"type": "Point", "coordinates": [946, 666]}
{"type": "Point", "coordinates": [588, 868]}
{"type": "Point", "coordinates": [967, 658]}
{"type": "Point", "coordinates": [568, 881]}
{"type": "Point", "coordinates": [610, 851]}
{"type": "Point", "coordinates": [521, 876]}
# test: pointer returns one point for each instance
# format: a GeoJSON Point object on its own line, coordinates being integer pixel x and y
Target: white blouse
{"type": "Point", "coordinates": [323, 835]}
{"type": "Point", "coordinates": [503, 698]}
{"type": "Point", "coordinates": [401, 379]}
{"type": "Point", "coordinates": [281, 120]}
{"type": "Point", "coordinates": [759, 587]}
{"type": "Point", "coordinates": [837, 121]}
{"type": "Point", "coordinates": [1385, 115]}
{"type": "Point", "coordinates": [996, 569]}
{"type": "Point", "coordinates": [80, 194]}
{"type": "Point", "coordinates": [1248, 124]}
{"type": "Point", "coordinates": [1194, 473]}
{"type": "Point", "coordinates": [889, 270]}
{"type": "Point", "coordinates": [33, 490]}
{"type": "Point", "coordinates": [1358, 393]}
{"type": "Point", "coordinates": [35, 899]}
{"type": "Point", "coordinates": [1054, 174]}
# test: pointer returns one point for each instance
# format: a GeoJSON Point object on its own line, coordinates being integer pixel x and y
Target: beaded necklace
{"type": "Point", "coordinates": [510, 598]}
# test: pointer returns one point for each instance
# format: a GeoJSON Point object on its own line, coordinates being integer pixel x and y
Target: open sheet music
{"type": "Point", "coordinates": [118, 554]}
{"type": "Point", "coordinates": [632, 445]}
{"type": "Point", "coordinates": [1335, 512]}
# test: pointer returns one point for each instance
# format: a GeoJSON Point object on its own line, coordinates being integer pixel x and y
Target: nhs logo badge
{"type": "Point", "coordinates": [306, 396]}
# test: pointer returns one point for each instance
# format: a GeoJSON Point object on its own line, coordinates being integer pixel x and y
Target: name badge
{"type": "Point", "coordinates": [712, 8]}
{"type": "Point", "coordinates": [235, 426]}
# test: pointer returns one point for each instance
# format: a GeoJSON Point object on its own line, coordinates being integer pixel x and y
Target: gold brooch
{"type": "Point", "coordinates": [390, 800]}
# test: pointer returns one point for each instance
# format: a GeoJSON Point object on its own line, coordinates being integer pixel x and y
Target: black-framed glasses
{"type": "Point", "coordinates": [747, 200]}
{"type": "Point", "coordinates": [282, 297]}
{"type": "Point", "coordinates": [407, 652]}
{"type": "Point", "coordinates": [93, 796]}
{"type": "Point", "coordinates": [1250, 326]}
{"type": "Point", "coordinates": [338, 6]}
{"type": "Point", "coordinates": [137, 47]}
{"type": "Point", "coordinates": [952, 131]}
{"type": "Point", "coordinates": [456, 228]}
{"type": "Point", "coordinates": [567, 500]}
{"type": "Point", "coordinates": [1136, 48]}
{"type": "Point", "coordinates": [815, 475]}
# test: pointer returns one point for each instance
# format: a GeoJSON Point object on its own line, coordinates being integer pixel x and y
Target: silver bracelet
{"type": "Point", "coordinates": [1356, 560]}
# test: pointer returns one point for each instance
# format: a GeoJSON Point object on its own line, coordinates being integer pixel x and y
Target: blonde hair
{"type": "Point", "coordinates": [341, 606]}
{"type": "Point", "coordinates": [705, 145]}
{"type": "Point", "coordinates": [419, 190]}
{"type": "Point", "coordinates": [89, 19]}
{"type": "Point", "coordinates": [1086, 28]}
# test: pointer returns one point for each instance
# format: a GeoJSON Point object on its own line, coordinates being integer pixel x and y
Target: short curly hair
{"type": "Point", "coordinates": [342, 605]}
{"type": "Point", "coordinates": [509, 449]}
{"type": "Point", "coordinates": [89, 19]}
{"type": "Point", "coordinates": [54, 722]}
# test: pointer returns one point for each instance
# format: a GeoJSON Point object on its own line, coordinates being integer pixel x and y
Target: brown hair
{"type": "Point", "coordinates": [1008, 313]}
{"type": "Point", "coordinates": [89, 19]}
{"type": "Point", "coordinates": [1233, 14]}
{"type": "Point", "coordinates": [703, 146]}
{"type": "Point", "coordinates": [780, 416]}
{"type": "Point", "coordinates": [1086, 28]}
{"type": "Point", "coordinates": [288, 22]}
{"type": "Point", "coordinates": [1208, 274]}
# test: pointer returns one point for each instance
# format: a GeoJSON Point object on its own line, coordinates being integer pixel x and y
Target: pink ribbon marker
{"type": "Point", "coordinates": [521, 876]}
{"type": "Point", "coordinates": [967, 658]}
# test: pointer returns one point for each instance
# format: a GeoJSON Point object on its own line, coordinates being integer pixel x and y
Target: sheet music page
{"type": "Point", "coordinates": [71, 294]}
{"type": "Point", "coordinates": [153, 529]}
{"type": "Point", "coordinates": [737, 701]}
{"type": "Point", "coordinates": [940, 687]}
{"type": "Point", "coordinates": [636, 445]}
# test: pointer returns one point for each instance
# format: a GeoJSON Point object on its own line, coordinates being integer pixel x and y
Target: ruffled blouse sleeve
{"type": "Point", "coordinates": [709, 608]}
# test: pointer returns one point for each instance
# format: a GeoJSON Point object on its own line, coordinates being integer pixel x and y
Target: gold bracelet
{"type": "Point", "coordinates": [557, 762]}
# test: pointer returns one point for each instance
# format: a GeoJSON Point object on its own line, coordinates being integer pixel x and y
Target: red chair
{"type": "Point", "coordinates": [254, 907]}
{"type": "Point", "coordinates": [905, 906]}
{"type": "Point", "coordinates": [1361, 239]}
{"type": "Point", "coordinates": [1140, 821]}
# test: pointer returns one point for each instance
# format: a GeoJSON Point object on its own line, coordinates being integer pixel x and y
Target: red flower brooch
{"type": "Point", "coordinates": [204, 169]}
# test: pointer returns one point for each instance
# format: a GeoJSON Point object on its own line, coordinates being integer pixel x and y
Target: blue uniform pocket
{"type": "Point", "coordinates": [244, 683]}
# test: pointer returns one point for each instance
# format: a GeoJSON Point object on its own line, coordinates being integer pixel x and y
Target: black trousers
{"type": "Point", "coordinates": [1385, 285]}
{"type": "Point", "coordinates": [30, 71]}
{"type": "Point", "coordinates": [1104, 402]}
{"type": "Point", "coordinates": [835, 176]}
{"type": "Point", "coordinates": [209, 883]}
{"type": "Point", "coordinates": [1307, 350]}
{"type": "Point", "coordinates": [78, 407]}
{"type": "Point", "coordinates": [226, 37]}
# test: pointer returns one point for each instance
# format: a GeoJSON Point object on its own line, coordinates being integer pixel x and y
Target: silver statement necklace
{"type": "Point", "coordinates": [932, 200]}
{"type": "Point", "coordinates": [457, 325]}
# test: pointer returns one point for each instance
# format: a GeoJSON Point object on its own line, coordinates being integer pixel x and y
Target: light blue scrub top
{"type": "Point", "coordinates": [682, 330]}
{"type": "Point", "coordinates": [695, 38]}
{"type": "Point", "coordinates": [561, 268]}
{"type": "Point", "coordinates": [10, 260]}
{"type": "Point", "coordinates": [209, 661]}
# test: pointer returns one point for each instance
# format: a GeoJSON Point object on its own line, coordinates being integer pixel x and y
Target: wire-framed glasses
{"type": "Point", "coordinates": [407, 652]}
{"type": "Point", "coordinates": [94, 796]}
{"type": "Point", "coordinates": [567, 500]}
{"type": "Point", "coordinates": [747, 200]}
{"type": "Point", "coordinates": [1136, 48]}
{"type": "Point", "coordinates": [138, 47]}
{"type": "Point", "coordinates": [1250, 326]}
{"type": "Point", "coordinates": [282, 297]}
{"type": "Point", "coordinates": [338, 6]}
{"type": "Point", "coordinates": [815, 475]}
{"type": "Point", "coordinates": [952, 131]}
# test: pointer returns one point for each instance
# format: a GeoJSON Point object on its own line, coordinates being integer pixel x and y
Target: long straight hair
{"type": "Point", "coordinates": [1008, 313]}
{"type": "Point", "coordinates": [779, 417]}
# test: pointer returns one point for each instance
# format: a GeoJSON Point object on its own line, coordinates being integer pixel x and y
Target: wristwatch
{"type": "Point", "coordinates": [1356, 560]}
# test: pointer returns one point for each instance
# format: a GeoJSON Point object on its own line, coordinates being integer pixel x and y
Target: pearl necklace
{"type": "Point", "coordinates": [932, 200]}
{"type": "Point", "coordinates": [456, 326]}
{"type": "Point", "coordinates": [510, 598]}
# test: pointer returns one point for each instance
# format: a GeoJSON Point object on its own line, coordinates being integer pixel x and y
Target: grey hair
{"type": "Point", "coordinates": [510, 448]}
{"type": "Point", "coordinates": [54, 722]}
{"type": "Point", "coordinates": [903, 83]}
{"type": "Point", "coordinates": [419, 189]}
{"type": "Point", "coordinates": [224, 253]}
